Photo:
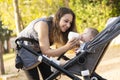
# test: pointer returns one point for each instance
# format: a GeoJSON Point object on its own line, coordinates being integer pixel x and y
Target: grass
{"type": "Point", "coordinates": [8, 56]}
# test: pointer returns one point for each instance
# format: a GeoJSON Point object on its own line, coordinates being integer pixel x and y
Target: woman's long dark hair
{"type": "Point", "coordinates": [57, 35]}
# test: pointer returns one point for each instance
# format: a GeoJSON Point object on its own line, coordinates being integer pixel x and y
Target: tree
{"type": "Point", "coordinates": [2, 70]}
{"type": "Point", "coordinates": [6, 37]}
{"type": "Point", "coordinates": [90, 13]}
{"type": "Point", "coordinates": [17, 16]}
{"type": "Point", "coordinates": [28, 10]}
{"type": "Point", "coordinates": [5, 34]}
{"type": "Point", "coordinates": [66, 3]}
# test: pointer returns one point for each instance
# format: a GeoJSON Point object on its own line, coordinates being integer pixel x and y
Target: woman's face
{"type": "Point", "coordinates": [65, 22]}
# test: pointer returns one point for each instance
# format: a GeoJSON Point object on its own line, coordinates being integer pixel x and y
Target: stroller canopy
{"type": "Point", "coordinates": [108, 34]}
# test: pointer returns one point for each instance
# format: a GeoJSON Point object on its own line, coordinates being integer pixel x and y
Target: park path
{"type": "Point", "coordinates": [109, 67]}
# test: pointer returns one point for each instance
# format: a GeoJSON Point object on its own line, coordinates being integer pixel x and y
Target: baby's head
{"type": "Point", "coordinates": [89, 34]}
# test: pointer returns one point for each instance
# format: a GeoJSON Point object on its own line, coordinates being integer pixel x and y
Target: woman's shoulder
{"type": "Point", "coordinates": [39, 19]}
{"type": "Point", "coordinates": [40, 25]}
{"type": "Point", "coordinates": [43, 22]}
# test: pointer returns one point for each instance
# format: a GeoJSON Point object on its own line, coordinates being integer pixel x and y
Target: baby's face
{"type": "Point", "coordinates": [86, 36]}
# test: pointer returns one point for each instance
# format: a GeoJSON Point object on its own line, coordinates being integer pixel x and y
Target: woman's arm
{"type": "Point", "coordinates": [43, 36]}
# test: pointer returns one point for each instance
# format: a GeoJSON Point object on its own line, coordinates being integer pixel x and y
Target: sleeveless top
{"type": "Point", "coordinates": [27, 59]}
{"type": "Point", "coordinates": [29, 31]}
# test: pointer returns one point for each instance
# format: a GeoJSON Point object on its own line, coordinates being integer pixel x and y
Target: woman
{"type": "Point", "coordinates": [48, 31]}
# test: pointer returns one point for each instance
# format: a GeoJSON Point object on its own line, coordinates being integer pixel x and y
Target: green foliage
{"type": "Point", "coordinates": [32, 9]}
{"type": "Point", "coordinates": [7, 15]}
{"type": "Point", "coordinates": [4, 33]}
{"type": "Point", "coordinates": [29, 10]}
{"type": "Point", "coordinates": [115, 5]}
{"type": "Point", "coordinates": [90, 13]}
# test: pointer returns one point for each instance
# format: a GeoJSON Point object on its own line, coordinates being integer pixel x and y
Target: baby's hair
{"type": "Point", "coordinates": [94, 31]}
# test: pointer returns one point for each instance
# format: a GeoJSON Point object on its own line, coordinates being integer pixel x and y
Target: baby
{"type": "Point", "coordinates": [88, 34]}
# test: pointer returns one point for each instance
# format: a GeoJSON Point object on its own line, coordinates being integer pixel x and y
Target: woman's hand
{"type": "Point", "coordinates": [73, 42]}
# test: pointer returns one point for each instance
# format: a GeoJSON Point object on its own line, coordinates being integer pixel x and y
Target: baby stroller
{"type": "Point", "coordinates": [88, 56]}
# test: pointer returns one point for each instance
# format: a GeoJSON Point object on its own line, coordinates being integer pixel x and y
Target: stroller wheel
{"type": "Point", "coordinates": [94, 78]}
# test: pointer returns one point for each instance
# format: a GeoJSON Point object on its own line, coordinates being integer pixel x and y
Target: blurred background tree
{"type": "Point", "coordinates": [94, 13]}
{"type": "Point", "coordinates": [4, 37]}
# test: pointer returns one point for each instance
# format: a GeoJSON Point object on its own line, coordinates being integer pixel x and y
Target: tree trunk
{"type": "Point", "coordinates": [66, 3]}
{"type": "Point", "coordinates": [2, 69]}
{"type": "Point", "coordinates": [17, 16]}
{"type": "Point", "coordinates": [8, 46]}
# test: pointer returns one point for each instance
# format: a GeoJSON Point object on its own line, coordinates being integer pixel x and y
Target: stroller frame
{"type": "Point", "coordinates": [89, 54]}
